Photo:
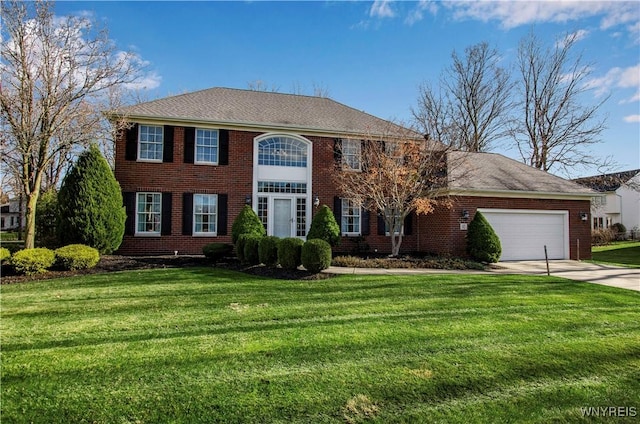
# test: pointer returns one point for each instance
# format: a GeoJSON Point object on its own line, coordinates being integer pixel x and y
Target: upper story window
{"type": "Point", "coordinates": [282, 151]}
{"type": "Point", "coordinates": [351, 154]}
{"type": "Point", "coordinates": [206, 146]}
{"type": "Point", "coordinates": [150, 143]}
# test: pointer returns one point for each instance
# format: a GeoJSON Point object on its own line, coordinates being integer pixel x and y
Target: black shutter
{"type": "Point", "coordinates": [364, 222]}
{"type": "Point", "coordinates": [223, 147]}
{"type": "Point", "coordinates": [131, 146]}
{"type": "Point", "coordinates": [408, 224]}
{"type": "Point", "coordinates": [222, 214]}
{"type": "Point", "coordinates": [337, 211]}
{"type": "Point", "coordinates": [187, 214]}
{"type": "Point", "coordinates": [129, 199]}
{"type": "Point", "coordinates": [337, 151]}
{"type": "Point", "coordinates": [167, 145]}
{"type": "Point", "coordinates": [189, 144]}
{"type": "Point", "coordinates": [166, 214]}
{"type": "Point", "coordinates": [381, 229]}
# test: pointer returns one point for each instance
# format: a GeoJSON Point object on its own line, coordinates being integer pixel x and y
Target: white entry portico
{"type": "Point", "coordinates": [282, 183]}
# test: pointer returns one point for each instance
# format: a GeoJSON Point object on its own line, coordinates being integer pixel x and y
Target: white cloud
{"type": "Point", "coordinates": [512, 14]}
{"type": "Point", "coordinates": [632, 119]}
{"type": "Point", "coordinates": [581, 34]}
{"type": "Point", "coordinates": [618, 78]}
{"type": "Point", "coordinates": [381, 9]}
{"type": "Point", "coordinates": [417, 14]}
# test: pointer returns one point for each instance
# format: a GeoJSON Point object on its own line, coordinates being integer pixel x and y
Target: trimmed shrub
{"type": "Point", "coordinates": [216, 251]}
{"type": "Point", "coordinates": [90, 204]}
{"type": "Point", "coordinates": [240, 246]}
{"type": "Point", "coordinates": [33, 261]}
{"type": "Point", "coordinates": [76, 256]}
{"type": "Point", "coordinates": [247, 222]}
{"type": "Point", "coordinates": [4, 254]}
{"type": "Point", "coordinates": [290, 252]}
{"type": "Point", "coordinates": [268, 250]}
{"type": "Point", "coordinates": [324, 226]}
{"type": "Point", "coordinates": [251, 245]}
{"type": "Point", "coordinates": [316, 255]}
{"type": "Point", "coordinates": [483, 243]}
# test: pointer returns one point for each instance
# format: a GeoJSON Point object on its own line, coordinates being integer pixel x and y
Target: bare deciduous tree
{"type": "Point", "coordinates": [396, 174]}
{"type": "Point", "coordinates": [470, 109]}
{"type": "Point", "coordinates": [55, 72]}
{"type": "Point", "coordinates": [557, 124]}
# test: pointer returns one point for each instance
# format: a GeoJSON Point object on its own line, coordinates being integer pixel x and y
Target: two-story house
{"type": "Point", "coordinates": [189, 163]}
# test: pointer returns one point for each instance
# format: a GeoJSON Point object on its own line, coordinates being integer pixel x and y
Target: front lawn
{"type": "Point", "coordinates": [208, 345]}
{"type": "Point", "coordinates": [625, 253]}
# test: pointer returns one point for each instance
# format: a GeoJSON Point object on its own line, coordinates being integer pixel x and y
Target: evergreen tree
{"type": "Point", "coordinates": [483, 243]}
{"type": "Point", "coordinates": [324, 227]}
{"type": "Point", "coordinates": [90, 204]}
{"type": "Point", "coordinates": [247, 222]}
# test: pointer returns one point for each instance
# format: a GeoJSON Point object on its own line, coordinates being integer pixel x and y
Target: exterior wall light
{"type": "Point", "coordinates": [247, 199]}
{"type": "Point", "coordinates": [584, 216]}
{"type": "Point", "coordinates": [316, 201]}
{"type": "Point", "coordinates": [465, 215]}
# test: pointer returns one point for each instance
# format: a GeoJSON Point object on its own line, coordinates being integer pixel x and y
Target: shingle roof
{"type": "Point", "coordinates": [494, 172]}
{"type": "Point", "coordinates": [262, 109]}
{"type": "Point", "coordinates": [607, 182]}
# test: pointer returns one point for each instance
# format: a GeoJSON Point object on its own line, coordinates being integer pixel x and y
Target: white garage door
{"type": "Point", "coordinates": [524, 233]}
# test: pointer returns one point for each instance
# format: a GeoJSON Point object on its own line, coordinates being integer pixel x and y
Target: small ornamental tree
{"type": "Point", "coordinates": [90, 205]}
{"type": "Point", "coordinates": [483, 243]}
{"type": "Point", "coordinates": [247, 222]}
{"type": "Point", "coordinates": [324, 226]}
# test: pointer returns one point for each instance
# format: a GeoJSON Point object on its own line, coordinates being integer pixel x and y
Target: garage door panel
{"type": "Point", "coordinates": [523, 234]}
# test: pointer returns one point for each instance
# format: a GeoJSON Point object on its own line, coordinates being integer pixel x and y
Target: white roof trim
{"type": "Point", "coordinates": [521, 194]}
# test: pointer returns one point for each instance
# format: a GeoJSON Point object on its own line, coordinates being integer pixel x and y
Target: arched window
{"type": "Point", "coordinates": [282, 151]}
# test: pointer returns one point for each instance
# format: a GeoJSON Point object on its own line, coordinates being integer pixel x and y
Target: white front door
{"type": "Point", "coordinates": [282, 218]}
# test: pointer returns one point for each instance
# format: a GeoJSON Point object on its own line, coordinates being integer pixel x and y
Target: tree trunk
{"type": "Point", "coordinates": [30, 218]}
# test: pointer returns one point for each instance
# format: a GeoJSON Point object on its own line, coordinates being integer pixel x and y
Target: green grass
{"type": "Point", "coordinates": [625, 253]}
{"type": "Point", "coordinates": [206, 345]}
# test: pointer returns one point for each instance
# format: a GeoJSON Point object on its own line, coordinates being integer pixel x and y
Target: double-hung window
{"type": "Point", "coordinates": [148, 213]}
{"type": "Point", "coordinates": [396, 219]}
{"type": "Point", "coordinates": [206, 146]}
{"type": "Point", "coordinates": [351, 154]}
{"type": "Point", "coordinates": [350, 217]}
{"type": "Point", "coordinates": [205, 214]}
{"type": "Point", "coordinates": [150, 143]}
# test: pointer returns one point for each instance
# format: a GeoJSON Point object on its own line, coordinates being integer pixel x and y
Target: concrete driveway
{"type": "Point", "coordinates": [625, 278]}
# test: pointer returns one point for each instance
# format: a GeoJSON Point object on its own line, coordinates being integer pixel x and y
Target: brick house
{"type": "Point", "coordinates": [189, 163]}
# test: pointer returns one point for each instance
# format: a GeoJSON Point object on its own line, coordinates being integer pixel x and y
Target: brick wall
{"type": "Point", "coordinates": [438, 232]}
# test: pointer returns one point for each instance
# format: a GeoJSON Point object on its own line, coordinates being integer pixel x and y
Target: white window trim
{"type": "Point", "coordinates": [350, 233]}
{"type": "Point", "coordinates": [195, 147]}
{"type": "Point", "coordinates": [140, 143]}
{"type": "Point", "coordinates": [148, 233]}
{"type": "Point", "coordinates": [201, 233]}
{"type": "Point", "coordinates": [345, 163]}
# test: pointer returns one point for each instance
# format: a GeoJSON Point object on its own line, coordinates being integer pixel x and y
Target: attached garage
{"type": "Point", "coordinates": [524, 233]}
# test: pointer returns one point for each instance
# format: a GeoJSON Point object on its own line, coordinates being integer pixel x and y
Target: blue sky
{"type": "Point", "coordinates": [372, 55]}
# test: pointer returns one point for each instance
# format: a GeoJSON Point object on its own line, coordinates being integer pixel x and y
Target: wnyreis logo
{"type": "Point", "coordinates": [609, 411]}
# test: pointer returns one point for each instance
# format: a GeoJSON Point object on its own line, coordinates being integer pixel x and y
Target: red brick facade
{"type": "Point", "coordinates": [438, 232]}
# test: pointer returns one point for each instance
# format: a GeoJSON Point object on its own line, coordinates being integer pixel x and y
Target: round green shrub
{"type": "Point", "coordinates": [4, 254]}
{"type": "Point", "coordinates": [483, 243]}
{"type": "Point", "coordinates": [251, 245]}
{"type": "Point", "coordinates": [619, 228]}
{"type": "Point", "coordinates": [268, 250]}
{"type": "Point", "coordinates": [76, 256]}
{"type": "Point", "coordinates": [290, 252]}
{"type": "Point", "coordinates": [316, 255]}
{"type": "Point", "coordinates": [324, 226]}
{"type": "Point", "coordinates": [90, 204]}
{"type": "Point", "coordinates": [247, 222]}
{"type": "Point", "coordinates": [33, 261]}
{"type": "Point", "coordinates": [216, 251]}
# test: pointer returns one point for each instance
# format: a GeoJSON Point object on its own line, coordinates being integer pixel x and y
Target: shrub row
{"type": "Point", "coordinates": [39, 260]}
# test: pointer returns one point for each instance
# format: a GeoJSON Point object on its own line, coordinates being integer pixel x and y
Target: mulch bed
{"type": "Point", "coordinates": [114, 263]}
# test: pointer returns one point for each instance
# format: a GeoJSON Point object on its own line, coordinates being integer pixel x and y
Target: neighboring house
{"type": "Point", "coordinates": [618, 200]}
{"type": "Point", "coordinates": [189, 163]}
{"type": "Point", "coordinates": [10, 215]}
